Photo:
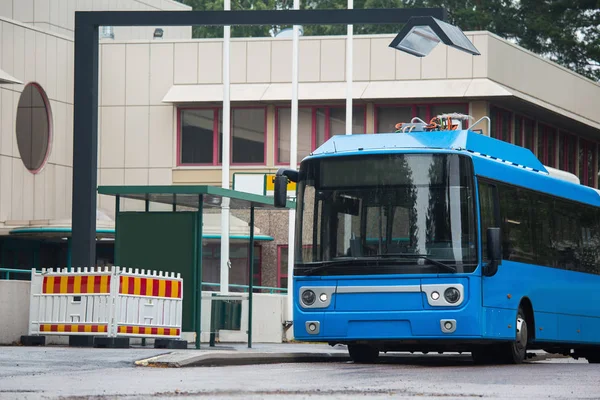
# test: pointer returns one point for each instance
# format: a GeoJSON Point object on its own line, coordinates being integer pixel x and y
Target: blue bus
{"type": "Point", "coordinates": [443, 241]}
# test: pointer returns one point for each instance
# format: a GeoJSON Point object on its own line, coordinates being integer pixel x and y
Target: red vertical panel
{"type": "Point", "coordinates": [154, 288]}
{"type": "Point", "coordinates": [179, 289]}
{"type": "Point", "coordinates": [84, 281]}
{"type": "Point", "coordinates": [97, 284]}
{"type": "Point", "coordinates": [143, 287]}
{"type": "Point", "coordinates": [168, 289]}
{"type": "Point", "coordinates": [94, 328]}
{"type": "Point", "coordinates": [57, 280]}
{"type": "Point", "coordinates": [130, 286]}
{"type": "Point", "coordinates": [70, 284]}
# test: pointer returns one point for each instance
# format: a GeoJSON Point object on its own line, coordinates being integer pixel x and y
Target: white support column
{"type": "Point", "coordinates": [293, 158]}
{"type": "Point", "coordinates": [349, 79]}
{"type": "Point", "coordinates": [224, 288]}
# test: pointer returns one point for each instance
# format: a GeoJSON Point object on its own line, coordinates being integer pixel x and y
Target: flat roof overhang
{"type": "Point", "coordinates": [189, 196]}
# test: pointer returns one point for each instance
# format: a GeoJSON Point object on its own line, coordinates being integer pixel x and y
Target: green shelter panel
{"type": "Point", "coordinates": [161, 241]}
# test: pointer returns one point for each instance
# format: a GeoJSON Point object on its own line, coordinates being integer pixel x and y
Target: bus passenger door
{"type": "Point", "coordinates": [497, 314]}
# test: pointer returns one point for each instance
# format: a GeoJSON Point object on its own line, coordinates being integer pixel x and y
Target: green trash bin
{"type": "Point", "coordinates": [225, 314]}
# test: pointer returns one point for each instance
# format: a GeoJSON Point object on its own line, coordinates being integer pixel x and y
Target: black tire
{"type": "Point", "coordinates": [362, 353]}
{"type": "Point", "coordinates": [515, 352]}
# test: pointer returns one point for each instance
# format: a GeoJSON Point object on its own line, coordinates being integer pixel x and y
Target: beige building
{"type": "Point", "coordinates": [160, 111]}
{"type": "Point", "coordinates": [36, 124]}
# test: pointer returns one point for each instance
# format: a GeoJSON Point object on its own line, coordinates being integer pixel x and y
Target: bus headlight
{"type": "Point", "coordinates": [308, 297]}
{"type": "Point", "coordinates": [452, 295]}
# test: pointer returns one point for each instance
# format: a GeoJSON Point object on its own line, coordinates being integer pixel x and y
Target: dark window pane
{"type": "Point", "coordinates": [248, 136]}
{"type": "Point", "coordinates": [528, 134]}
{"type": "Point", "coordinates": [551, 141]}
{"type": "Point", "coordinates": [543, 212]}
{"type": "Point", "coordinates": [440, 109]}
{"type": "Point", "coordinates": [423, 113]}
{"type": "Point", "coordinates": [321, 123]}
{"type": "Point", "coordinates": [284, 122]}
{"type": "Point", "coordinates": [389, 116]}
{"type": "Point", "coordinates": [337, 120]}
{"type": "Point", "coordinates": [516, 224]}
{"type": "Point", "coordinates": [487, 195]}
{"type": "Point", "coordinates": [283, 282]}
{"type": "Point", "coordinates": [591, 154]}
{"type": "Point", "coordinates": [519, 131]}
{"type": "Point", "coordinates": [562, 151]}
{"type": "Point", "coordinates": [501, 124]}
{"type": "Point", "coordinates": [572, 153]}
{"type": "Point", "coordinates": [566, 235]}
{"type": "Point", "coordinates": [197, 136]}
{"type": "Point", "coordinates": [33, 127]}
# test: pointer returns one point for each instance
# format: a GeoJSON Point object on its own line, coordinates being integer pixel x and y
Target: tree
{"type": "Point", "coordinates": [567, 32]}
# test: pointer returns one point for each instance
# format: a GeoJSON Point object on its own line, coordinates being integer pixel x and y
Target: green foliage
{"type": "Point", "coordinates": [564, 31]}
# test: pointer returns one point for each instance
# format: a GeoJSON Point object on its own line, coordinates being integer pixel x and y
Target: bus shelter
{"type": "Point", "coordinates": [170, 239]}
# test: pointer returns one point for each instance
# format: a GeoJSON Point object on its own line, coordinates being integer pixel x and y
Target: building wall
{"type": "Point", "coordinates": [58, 16]}
{"type": "Point", "coordinates": [32, 55]}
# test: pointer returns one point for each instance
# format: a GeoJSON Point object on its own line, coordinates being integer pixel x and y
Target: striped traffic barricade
{"type": "Point", "coordinates": [71, 302]}
{"type": "Point", "coordinates": [149, 304]}
{"type": "Point", "coordinates": [105, 307]}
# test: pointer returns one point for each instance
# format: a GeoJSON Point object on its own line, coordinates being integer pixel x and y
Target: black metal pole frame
{"type": "Point", "coordinates": [85, 124]}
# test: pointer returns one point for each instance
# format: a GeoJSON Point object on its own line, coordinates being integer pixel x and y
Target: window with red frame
{"type": "Point", "coordinates": [387, 116]}
{"type": "Point", "coordinates": [567, 152]}
{"type": "Point", "coordinates": [547, 145]}
{"type": "Point", "coordinates": [501, 121]}
{"type": "Point", "coordinates": [587, 161]}
{"type": "Point", "coordinates": [238, 274]}
{"type": "Point", "coordinates": [282, 266]}
{"type": "Point", "coordinates": [201, 132]}
{"type": "Point", "coordinates": [315, 126]}
{"type": "Point", "coordinates": [525, 132]}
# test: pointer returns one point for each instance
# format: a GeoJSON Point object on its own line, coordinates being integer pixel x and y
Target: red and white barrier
{"type": "Point", "coordinates": [111, 302]}
{"type": "Point", "coordinates": [149, 305]}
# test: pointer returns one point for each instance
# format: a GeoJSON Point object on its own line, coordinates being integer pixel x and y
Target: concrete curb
{"type": "Point", "coordinates": [179, 360]}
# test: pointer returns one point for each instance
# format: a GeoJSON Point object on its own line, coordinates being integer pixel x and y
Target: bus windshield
{"type": "Point", "coordinates": [386, 213]}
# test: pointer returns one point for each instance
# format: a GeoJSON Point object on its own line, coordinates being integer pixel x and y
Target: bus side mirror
{"type": "Point", "coordinates": [280, 191]}
{"type": "Point", "coordinates": [494, 251]}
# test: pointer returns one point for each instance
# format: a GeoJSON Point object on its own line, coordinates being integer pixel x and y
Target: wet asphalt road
{"type": "Point", "coordinates": [64, 373]}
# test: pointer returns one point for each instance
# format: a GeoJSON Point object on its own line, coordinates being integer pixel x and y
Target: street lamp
{"type": "Point", "coordinates": [421, 34]}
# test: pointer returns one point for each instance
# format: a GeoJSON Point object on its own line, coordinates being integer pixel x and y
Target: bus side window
{"type": "Point", "coordinates": [517, 240]}
{"type": "Point", "coordinates": [487, 206]}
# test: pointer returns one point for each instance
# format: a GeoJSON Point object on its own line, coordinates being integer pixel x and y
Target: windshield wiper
{"type": "Point", "coordinates": [386, 258]}
{"type": "Point", "coordinates": [423, 256]}
{"type": "Point", "coordinates": [338, 262]}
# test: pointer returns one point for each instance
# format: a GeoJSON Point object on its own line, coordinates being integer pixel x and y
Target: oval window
{"type": "Point", "coordinates": [34, 127]}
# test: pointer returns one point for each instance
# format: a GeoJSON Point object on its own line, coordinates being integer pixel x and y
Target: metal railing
{"type": "Point", "coordinates": [269, 289]}
{"type": "Point", "coordinates": [5, 273]}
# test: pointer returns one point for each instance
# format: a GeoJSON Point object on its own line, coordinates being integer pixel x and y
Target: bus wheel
{"type": "Point", "coordinates": [516, 351]}
{"type": "Point", "coordinates": [362, 353]}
